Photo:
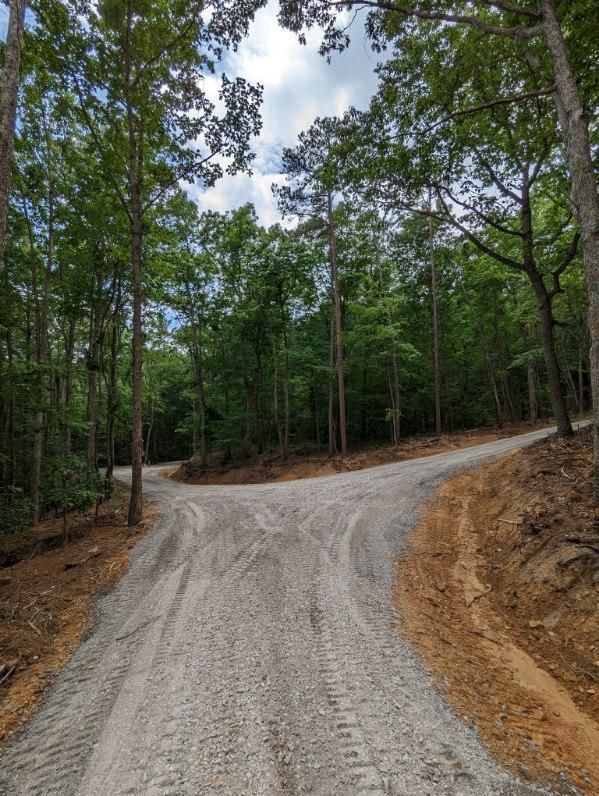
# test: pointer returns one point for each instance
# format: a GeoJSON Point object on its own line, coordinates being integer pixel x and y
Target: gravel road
{"type": "Point", "coordinates": [252, 647]}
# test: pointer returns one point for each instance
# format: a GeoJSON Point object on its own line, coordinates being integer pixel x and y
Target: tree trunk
{"type": "Point", "coordinates": [395, 399]}
{"type": "Point", "coordinates": [36, 466]}
{"type": "Point", "coordinates": [532, 379]}
{"type": "Point", "coordinates": [112, 397]}
{"type": "Point", "coordinates": [9, 467]}
{"type": "Point", "coordinates": [533, 404]}
{"type": "Point", "coordinates": [580, 377]}
{"type": "Point", "coordinates": [68, 389]}
{"type": "Point", "coordinates": [197, 357]}
{"type": "Point", "coordinates": [8, 107]}
{"type": "Point", "coordinates": [394, 383]}
{"type": "Point", "coordinates": [363, 412]}
{"type": "Point", "coordinates": [338, 325]}
{"type": "Point", "coordinates": [92, 388]}
{"type": "Point", "coordinates": [275, 398]}
{"type": "Point", "coordinates": [316, 417]}
{"type": "Point", "coordinates": [149, 434]}
{"type": "Point", "coordinates": [332, 440]}
{"type": "Point", "coordinates": [565, 368]}
{"type": "Point", "coordinates": [134, 180]}
{"type": "Point", "coordinates": [544, 299]}
{"type": "Point", "coordinates": [285, 392]}
{"type": "Point", "coordinates": [42, 308]}
{"type": "Point", "coordinates": [509, 399]}
{"type": "Point", "coordinates": [558, 404]}
{"type": "Point", "coordinates": [575, 132]}
{"type": "Point", "coordinates": [435, 308]}
{"type": "Point", "coordinates": [38, 422]}
{"type": "Point", "coordinates": [135, 503]}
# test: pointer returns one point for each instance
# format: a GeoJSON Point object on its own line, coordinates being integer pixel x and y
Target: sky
{"type": "Point", "coordinates": [299, 85]}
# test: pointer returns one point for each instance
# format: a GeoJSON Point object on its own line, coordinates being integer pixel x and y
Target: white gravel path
{"type": "Point", "coordinates": [251, 648]}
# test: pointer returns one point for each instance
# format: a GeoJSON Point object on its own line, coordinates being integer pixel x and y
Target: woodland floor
{"type": "Point", "coordinates": [46, 593]}
{"type": "Point", "coordinates": [271, 468]}
{"type": "Point", "coordinates": [500, 592]}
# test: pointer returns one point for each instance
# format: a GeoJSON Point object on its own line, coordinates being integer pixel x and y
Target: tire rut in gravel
{"type": "Point", "coordinates": [253, 648]}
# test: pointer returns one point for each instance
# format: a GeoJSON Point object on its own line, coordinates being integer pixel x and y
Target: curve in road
{"type": "Point", "coordinates": [253, 647]}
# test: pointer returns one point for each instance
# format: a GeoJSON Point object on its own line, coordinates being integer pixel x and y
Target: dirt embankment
{"type": "Point", "coordinates": [270, 467]}
{"type": "Point", "coordinates": [46, 591]}
{"type": "Point", "coordinates": [500, 593]}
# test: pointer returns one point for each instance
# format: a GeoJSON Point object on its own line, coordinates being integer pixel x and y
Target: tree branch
{"type": "Point", "coordinates": [165, 49]}
{"type": "Point", "coordinates": [91, 127]}
{"type": "Point", "coordinates": [517, 32]}
{"type": "Point", "coordinates": [477, 242]}
{"type": "Point", "coordinates": [448, 217]}
{"type": "Point", "coordinates": [488, 105]}
{"type": "Point", "coordinates": [556, 235]}
{"type": "Point", "coordinates": [507, 192]}
{"type": "Point", "coordinates": [483, 216]}
{"type": "Point", "coordinates": [183, 174]}
{"type": "Point", "coordinates": [539, 164]}
{"type": "Point", "coordinates": [510, 9]}
{"type": "Point", "coordinates": [569, 256]}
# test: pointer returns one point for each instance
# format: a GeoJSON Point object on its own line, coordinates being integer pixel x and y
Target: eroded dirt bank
{"type": "Point", "coordinates": [46, 592]}
{"type": "Point", "coordinates": [500, 594]}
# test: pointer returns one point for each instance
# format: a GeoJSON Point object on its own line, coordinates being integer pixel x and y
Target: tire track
{"type": "Point", "coordinates": [251, 648]}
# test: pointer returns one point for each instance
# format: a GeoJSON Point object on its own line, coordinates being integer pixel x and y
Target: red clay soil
{"type": "Point", "coordinates": [46, 593]}
{"type": "Point", "coordinates": [499, 593]}
{"type": "Point", "coordinates": [270, 467]}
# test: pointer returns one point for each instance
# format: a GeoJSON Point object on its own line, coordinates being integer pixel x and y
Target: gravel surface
{"type": "Point", "coordinates": [252, 648]}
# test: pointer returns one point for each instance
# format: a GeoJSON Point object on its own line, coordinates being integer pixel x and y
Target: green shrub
{"type": "Point", "coordinates": [15, 511]}
{"type": "Point", "coordinates": [74, 487]}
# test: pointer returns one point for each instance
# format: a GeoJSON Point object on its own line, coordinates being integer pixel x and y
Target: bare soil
{"type": "Point", "coordinates": [499, 590]}
{"type": "Point", "coordinates": [270, 467]}
{"type": "Point", "coordinates": [46, 592]}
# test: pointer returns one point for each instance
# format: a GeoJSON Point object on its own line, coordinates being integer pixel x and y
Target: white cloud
{"type": "Point", "coordinates": [298, 86]}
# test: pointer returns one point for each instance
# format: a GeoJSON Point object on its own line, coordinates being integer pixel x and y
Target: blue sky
{"type": "Point", "coordinates": [299, 85]}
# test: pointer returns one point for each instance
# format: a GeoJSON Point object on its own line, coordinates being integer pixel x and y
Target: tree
{"type": "Point", "coordinates": [8, 107]}
{"type": "Point", "coordinates": [485, 173]}
{"type": "Point", "coordinates": [311, 194]}
{"type": "Point", "coordinates": [142, 95]}
{"type": "Point", "coordinates": [536, 35]}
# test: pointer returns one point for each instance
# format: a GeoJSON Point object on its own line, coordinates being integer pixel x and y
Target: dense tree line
{"type": "Point", "coordinates": [434, 271]}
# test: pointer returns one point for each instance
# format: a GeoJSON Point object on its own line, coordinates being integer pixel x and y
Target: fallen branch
{"type": "Point", "coordinates": [93, 553]}
{"type": "Point", "coordinates": [9, 671]}
{"type": "Point", "coordinates": [139, 627]}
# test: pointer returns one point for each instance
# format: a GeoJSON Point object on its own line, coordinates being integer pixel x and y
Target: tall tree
{"type": "Point", "coordinates": [11, 72]}
{"type": "Point", "coordinates": [142, 93]}
{"type": "Point", "coordinates": [535, 32]}
{"type": "Point", "coordinates": [311, 194]}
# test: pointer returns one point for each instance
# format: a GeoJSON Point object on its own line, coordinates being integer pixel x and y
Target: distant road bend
{"type": "Point", "coordinates": [252, 648]}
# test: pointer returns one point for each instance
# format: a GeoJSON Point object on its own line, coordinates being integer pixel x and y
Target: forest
{"type": "Point", "coordinates": [436, 267]}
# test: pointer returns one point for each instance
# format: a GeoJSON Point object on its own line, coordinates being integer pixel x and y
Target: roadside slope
{"type": "Point", "coordinates": [47, 588]}
{"type": "Point", "coordinates": [499, 592]}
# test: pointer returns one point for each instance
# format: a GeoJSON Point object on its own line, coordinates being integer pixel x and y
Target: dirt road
{"type": "Point", "coordinates": [252, 648]}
